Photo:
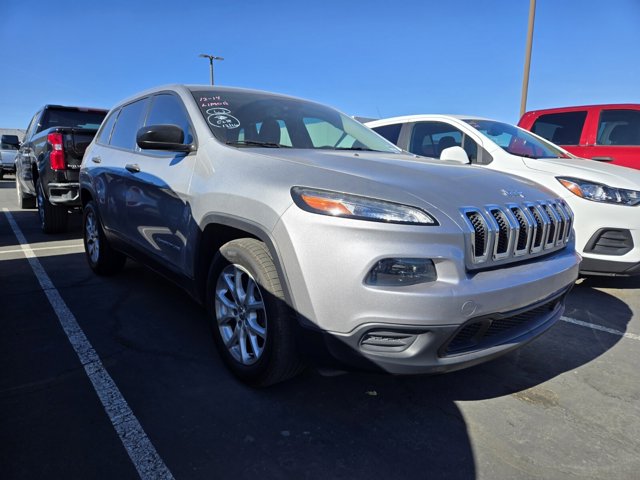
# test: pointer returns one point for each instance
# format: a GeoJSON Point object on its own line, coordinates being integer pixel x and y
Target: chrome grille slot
{"type": "Point", "coordinates": [499, 234]}
{"type": "Point", "coordinates": [480, 236]}
{"type": "Point", "coordinates": [554, 222]}
{"type": "Point", "coordinates": [502, 239]}
{"type": "Point", "coordinates": [565, 224]}
{"type": "Point", "coordinates": [525, 230]}
{"type": "Point", "coordinates": [506, 231]}
{"type": "Point", "coordinates": [540, 228]}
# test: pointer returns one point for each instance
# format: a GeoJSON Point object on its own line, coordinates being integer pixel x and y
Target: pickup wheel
{"type": "Point", "coordinates": [102, 259]}
{"type": "Point", "coordinates": [252, 324]}
{"type": "Point", "coordinates": [23, 201]}
{"type": "Point", "coordinates": [53, 219]}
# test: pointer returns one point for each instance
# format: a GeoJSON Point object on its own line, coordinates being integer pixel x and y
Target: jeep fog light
{"type": "Point", "coordinates": [394, 272]}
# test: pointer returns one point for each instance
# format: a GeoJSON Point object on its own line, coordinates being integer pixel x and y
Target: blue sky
{"type": "Point", "coordinates": [369, 58]}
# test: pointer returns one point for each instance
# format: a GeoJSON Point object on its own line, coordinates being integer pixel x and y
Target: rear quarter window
{"type": "Point", "coordinates": [390, 132]}
{"type": "Point", "coordinates": [560, 128]}
{"type": "Point", "coordinates": [81, 118]}
{"type": "Point", "coordinates": [104, 135]}
{"type": "Point", "coordinates": [619, 127]}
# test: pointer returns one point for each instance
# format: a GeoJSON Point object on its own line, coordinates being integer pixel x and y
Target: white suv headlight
{"type": "Point", "coordinates": [337, 204]}
{"type": "Point", "coordinates": [598, 192]}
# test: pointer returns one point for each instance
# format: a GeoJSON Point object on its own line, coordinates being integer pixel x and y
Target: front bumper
{"type": "Point", "coordinates": [409, 329]}
{"type": "Point", "coordinates": [405, 349]}
{"type": "Point", "coordinates": [592, 222]}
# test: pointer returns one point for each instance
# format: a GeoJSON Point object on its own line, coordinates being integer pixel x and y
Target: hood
{"type": "Point", "coordinates": [592, 170]}
{"type": "Point", "coordinates": [407, 179]}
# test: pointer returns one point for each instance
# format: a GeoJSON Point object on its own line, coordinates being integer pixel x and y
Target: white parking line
{"type": "Point", "coordinates": [141, 451]}
{"type": "Point", "coordinates": [37, 249]}
{"type": "Point", "coordinates": [632, 336]}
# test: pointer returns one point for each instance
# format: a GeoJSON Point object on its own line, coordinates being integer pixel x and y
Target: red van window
{"type": "Point", "coordinates": [619, 127]}
{"type": "Point", "coordinates": [560, 128]}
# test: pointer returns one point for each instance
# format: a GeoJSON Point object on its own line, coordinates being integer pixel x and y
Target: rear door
{"type": "Point", "coordinates": [617, 137]}
{"type": "Point", "coordinates": [107, 161]}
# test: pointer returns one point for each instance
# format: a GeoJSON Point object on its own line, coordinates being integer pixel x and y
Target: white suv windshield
{"type": "Point", "coordinates": [253, 119]}
{"type": "Point", "coordinates": [516, 141]}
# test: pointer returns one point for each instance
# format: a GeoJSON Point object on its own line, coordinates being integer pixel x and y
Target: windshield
{"type": "Point", "coordinates": [516, 141]}
{"type": "Point", "coordinates": [254, 119]}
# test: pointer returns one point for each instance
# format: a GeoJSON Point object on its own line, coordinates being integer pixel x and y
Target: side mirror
{"type": "Point", "coordinates": [455, 154]}
{"type": "Point", "coordinates": [162, 137]}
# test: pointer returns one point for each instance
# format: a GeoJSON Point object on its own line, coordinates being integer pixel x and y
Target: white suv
{"type": "Point", "coordinates": [605, 198]}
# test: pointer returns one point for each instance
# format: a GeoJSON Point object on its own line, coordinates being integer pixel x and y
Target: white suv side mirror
{"type": "Point", "coordinates": [455, 154]}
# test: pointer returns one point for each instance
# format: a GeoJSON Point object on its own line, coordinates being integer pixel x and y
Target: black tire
{"type": "Point", "coordinates": [1, 174]}
{"type": "Point", "coordinates": [102, 258]}
{"type": "Point", "coordinates": [53, 218]}
{"type": "Point", "coordinates": [24, 201]}
{"type": "Point", "coordinates": [279, 359]}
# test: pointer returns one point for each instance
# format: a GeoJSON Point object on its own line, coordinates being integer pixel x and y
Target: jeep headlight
{"type": "Point", "coordinates": [337, 204]}
{"type": "Point", "coordinates": [598, 192]}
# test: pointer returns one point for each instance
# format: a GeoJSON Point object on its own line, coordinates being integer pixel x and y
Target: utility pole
{"type": "Point", "coordinates": [211, 59]}
{"type": "Point", "coordinates": [527, 60]}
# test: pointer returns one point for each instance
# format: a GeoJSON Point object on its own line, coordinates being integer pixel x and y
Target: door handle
{"type": "Point", "coordinates": [96, 159]}
{"type": "Point", "coordinates": [133, 167]}
{"type": "Point", "coordinates": [603, 159]}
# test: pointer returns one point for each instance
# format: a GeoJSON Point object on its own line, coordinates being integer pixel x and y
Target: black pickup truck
{"type": "Point", "coordinates": [48, 162]}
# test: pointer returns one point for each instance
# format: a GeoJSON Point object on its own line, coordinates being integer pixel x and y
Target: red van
{"type": "Point", "coordinates": [609, 133]}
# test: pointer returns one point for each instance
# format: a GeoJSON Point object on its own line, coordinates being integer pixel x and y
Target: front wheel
{"type": "Point", "coordinates": [252, 324]}
{"type": "Point", "coordinates": [102, 258]}
{"type": "Point", "coordinates": [53, 218]}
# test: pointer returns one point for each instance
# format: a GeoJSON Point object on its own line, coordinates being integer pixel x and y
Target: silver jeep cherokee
{"type": "Point", "coordinates": [303, 232]}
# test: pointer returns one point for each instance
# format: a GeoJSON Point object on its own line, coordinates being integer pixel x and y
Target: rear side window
{"type": "Point", "coordinates": [390, 132]}
{"type": "Point", "coordinates": [560, 128]}
{"type": "Point", "coordinates": [105, 131]}
{"type": "Point", "coordinates": [619, 127]}
{"type": "Point", "coordinates": [129, 121]}
{"type": "Point", "coordinates": [167, 109]}
{"type": "Point", "coordinates": [75, 118]}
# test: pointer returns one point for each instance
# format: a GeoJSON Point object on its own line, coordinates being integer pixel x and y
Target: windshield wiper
{"type": "Point", "coordinates": [254, 143]}
{"type": "Point", "coordinates": [356, 148]}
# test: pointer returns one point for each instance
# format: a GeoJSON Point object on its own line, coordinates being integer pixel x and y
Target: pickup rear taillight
{"type": "Point", "coordinates": [56, 158]}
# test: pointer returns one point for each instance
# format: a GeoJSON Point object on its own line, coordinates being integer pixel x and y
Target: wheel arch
{"type": "Point", "coordinates": [216, 230]}
{"type": "Point", "coordinates": [85, 196]}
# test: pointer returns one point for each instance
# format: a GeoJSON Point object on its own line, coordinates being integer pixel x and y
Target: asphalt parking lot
{"type": "Point", "coordinates": [565, 406]}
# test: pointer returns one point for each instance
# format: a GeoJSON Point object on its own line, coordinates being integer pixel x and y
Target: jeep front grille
{"type": "Point", "coordinates": [498, 233]}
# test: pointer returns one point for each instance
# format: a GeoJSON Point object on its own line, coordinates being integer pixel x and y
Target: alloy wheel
{"type": "Point", "coordinates": [92, 237]}
{"type": "Point", "coordinates": [241, 314]}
